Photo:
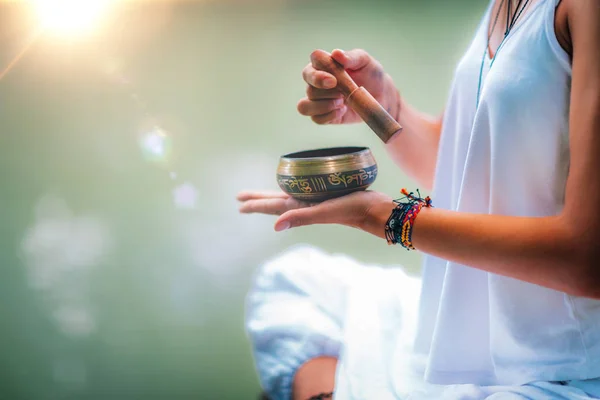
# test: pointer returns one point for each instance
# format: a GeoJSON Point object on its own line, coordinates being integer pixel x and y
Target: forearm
{"type": "Point", "coordinates": [546, 251]}
{"type": "Point", "coordinates": [415, 149]}
{"type": "Point", "coordinates": [314, 377]}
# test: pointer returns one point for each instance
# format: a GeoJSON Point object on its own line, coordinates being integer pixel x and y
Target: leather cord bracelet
{"type": "Point", "coordinates": [399, 226]}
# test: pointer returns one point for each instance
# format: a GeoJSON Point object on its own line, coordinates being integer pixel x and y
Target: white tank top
{"type": "Point", "coordinates": [508, 156]}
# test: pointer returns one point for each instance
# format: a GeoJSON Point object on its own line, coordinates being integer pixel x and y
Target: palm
{"type": "Point", "coordinates": [347, 210]}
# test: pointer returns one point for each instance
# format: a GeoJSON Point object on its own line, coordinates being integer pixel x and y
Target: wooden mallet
{"type": "Point", "coordinates": [359, 99]}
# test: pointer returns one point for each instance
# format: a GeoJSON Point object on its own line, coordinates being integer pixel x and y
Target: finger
{"type": "Point", "coordinates": [322, 213]}
{"type": "Point", "coordinates": [318, 107]}
{"type": "Point", "coordinates": [314, 93]}
{"type": "Point", "coordinates": [318, 79]}
{"type": "Point", "coordinates": [264, 206]}
{"type": "Point", "coordinates": [353, 59]}
{"type": "Point", "coordinates": [335, 115]}
{"type": "Point", "coordinates": [253, 195]}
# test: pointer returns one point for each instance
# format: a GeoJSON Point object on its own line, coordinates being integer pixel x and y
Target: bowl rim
{"type": "Point", "coordinates": [353, 151]}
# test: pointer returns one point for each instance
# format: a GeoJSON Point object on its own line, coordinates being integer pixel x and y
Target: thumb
{"type": "Point", "coordinates": [352, 60]}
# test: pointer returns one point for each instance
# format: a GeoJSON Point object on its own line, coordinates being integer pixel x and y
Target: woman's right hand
{"type": "Point", "coordinates": [325, 104]}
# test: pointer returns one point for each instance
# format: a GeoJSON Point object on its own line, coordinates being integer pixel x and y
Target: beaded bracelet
{"type": "Point", "coordinates": [398, 228]}
{"type": "Point", "coordinates": [322, 396]}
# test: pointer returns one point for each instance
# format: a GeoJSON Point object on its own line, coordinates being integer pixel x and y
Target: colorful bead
{"type": "Point", "coordinates": [398, 228]}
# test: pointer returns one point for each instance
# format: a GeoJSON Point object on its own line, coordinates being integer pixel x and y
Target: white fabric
{"type": "Point", "coordinates": [509, 156]}
{"type": "Point", "coordinates": [480, 335]}
{"type": "Point", "coordinates": [306, 303]}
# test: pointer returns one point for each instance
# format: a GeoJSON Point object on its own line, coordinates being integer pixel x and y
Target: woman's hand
{"type": "Point", "coordinates": [414, 151]}
{"type": "Point", "coordinates": [363, 210]}
{"type": "Point", "coordinates": [324, 102]}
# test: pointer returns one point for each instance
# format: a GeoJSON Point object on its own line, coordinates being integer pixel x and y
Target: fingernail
{"type": "Point", "coordinates": [329, 83]}
{"type": "Point", "coordinates": [338, 102]}
{"type": "Point", "coordinates": [283, 226]}
{"type": "Point", "coordinates": [343, 110]}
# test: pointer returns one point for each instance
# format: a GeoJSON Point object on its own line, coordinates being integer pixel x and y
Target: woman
{"type": "Point", "coordinates": [511, 280]}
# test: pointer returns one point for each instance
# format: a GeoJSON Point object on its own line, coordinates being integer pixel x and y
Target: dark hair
{"type": "Point", "coordinates": [263, 396]}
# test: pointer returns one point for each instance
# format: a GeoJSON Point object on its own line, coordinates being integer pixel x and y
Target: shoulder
{"type": "Point", "coordinates": [561, 26]}
{"type": "Point", "coordinates": [573, 16]}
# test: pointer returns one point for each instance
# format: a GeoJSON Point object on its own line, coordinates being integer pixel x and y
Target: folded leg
{"type": "Point", "coordinates": [295, 313]}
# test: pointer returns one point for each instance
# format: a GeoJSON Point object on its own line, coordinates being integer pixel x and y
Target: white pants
{"type": "Point", "coordinates": [306, 303]}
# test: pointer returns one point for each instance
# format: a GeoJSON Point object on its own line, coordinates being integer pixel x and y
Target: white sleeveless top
{"type": "Point", "coordinates": [508, 156]}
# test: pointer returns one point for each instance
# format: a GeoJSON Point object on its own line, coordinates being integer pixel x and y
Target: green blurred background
{"type": "Point", "coordinates": [124, 262]}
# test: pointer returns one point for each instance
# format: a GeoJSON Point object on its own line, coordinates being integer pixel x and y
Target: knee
{"type": "Point", "coordinates": [294, 270]}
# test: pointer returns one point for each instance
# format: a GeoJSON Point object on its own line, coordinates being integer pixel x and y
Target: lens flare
{"type": "Point", "coordinates": [70, 17]}
{"type": "Point", "coordinates": [156, 145]}
{"type": "Point", "coordinates": [185, 196]}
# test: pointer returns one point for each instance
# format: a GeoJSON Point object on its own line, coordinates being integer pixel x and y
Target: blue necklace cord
{"type": "Point", "coordinates": [513, 21]}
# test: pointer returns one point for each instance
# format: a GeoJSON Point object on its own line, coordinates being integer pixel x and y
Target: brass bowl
{"type": "Point", "coordinates": [322, 174]}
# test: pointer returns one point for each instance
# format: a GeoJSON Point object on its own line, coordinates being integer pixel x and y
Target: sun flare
{"type": "Point", "coordinates": [70, 17]}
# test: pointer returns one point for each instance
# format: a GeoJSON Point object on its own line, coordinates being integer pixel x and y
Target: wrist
{"type": "Point", "coordinates": [393, 99]}
{"type": "Point", "coordinates": [400, 224]}
{"type": "Point", "coordinates": [377, 216]}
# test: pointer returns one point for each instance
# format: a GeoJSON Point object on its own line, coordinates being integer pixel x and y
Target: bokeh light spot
{"type": "Point", "coordinates": [61, 251]}
{"type": "Point", "coordinates": [75, 320]}
{"type": "Point", "coordinates": [156, 145]}
{"type": "Point", "coordinates": [185, 196]}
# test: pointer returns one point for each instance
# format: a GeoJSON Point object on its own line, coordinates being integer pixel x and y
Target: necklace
{"type": "Point", "coordinates": [510, 23]}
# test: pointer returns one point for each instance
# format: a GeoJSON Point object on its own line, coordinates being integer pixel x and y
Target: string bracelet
{"type": "Point", "coordinates": [398, 228]}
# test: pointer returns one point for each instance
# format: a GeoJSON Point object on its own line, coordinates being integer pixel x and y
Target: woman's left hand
{"type": "Point", "coordinates": [363, 210]}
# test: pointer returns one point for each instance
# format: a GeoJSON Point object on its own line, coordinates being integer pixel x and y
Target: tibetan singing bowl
{"type": "Point", "coordinates": [318, 175]}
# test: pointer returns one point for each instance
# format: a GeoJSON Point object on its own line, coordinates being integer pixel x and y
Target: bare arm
{"type": "Point", "coordinates": [415, 149]}
{"type": "Point", "coordinates": [560, 252]}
